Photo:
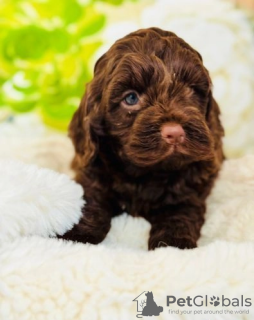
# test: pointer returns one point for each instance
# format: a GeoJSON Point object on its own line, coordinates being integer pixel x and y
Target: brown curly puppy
{"type": "Point", "coordinates": [147, 136]}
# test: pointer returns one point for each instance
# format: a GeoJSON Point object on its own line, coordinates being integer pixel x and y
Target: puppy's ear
{"type": "Point", "coordinates": [212, 107]}
{"type": "Point", "coordinates": [209, 106]}
{"type": "Point", "coordinates": [80, 131]}
{"type": "Point", "coordinates": [100, 63]}
{"type": "Point", "coordinates": [213, 117]}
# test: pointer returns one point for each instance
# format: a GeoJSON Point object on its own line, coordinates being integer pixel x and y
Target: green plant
{"type": "Point", "coordinates": [45, 54]}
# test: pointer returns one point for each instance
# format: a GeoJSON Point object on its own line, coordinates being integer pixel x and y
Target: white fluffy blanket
{"type": "Point", "coordinates": [44, 278]}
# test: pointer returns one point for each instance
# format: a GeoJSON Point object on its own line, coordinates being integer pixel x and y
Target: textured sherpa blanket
{"type": "Point", "coordinates": [44, 278]}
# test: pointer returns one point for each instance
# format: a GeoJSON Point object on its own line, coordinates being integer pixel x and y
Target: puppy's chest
{"type": "Point", "coordinates": [142, 196]}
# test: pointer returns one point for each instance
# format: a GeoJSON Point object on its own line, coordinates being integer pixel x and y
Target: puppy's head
{"type": "Point", "coordinates": [149, 103]}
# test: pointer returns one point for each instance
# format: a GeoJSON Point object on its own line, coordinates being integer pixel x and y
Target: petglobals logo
{"type": "Point", "coordinates": [195, 305]}
{"type": "Point", "coordinates": [146, 305]}
{"type": "Point", "coordinates": [205, 301]}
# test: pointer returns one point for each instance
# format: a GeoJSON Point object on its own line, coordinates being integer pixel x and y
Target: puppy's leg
{"type": "Point", "coordinates": [93, 225]}
{"type": "Point", "coordinates": [177, 226]}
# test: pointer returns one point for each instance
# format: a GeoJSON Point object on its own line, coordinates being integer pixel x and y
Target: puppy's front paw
{"type": "Point", "coordinates": [83, 237]}
{"type": "Point", "coordinates": [86, 234]}
{"type": "Point", "coordinates": [181, 243]}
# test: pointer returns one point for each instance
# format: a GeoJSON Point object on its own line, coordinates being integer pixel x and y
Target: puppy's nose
{"type": "Point", "coordinates": [173, 133]}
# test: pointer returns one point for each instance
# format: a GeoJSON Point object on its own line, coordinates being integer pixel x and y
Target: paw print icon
{"type": "Point", "coordinates": [215, 301]}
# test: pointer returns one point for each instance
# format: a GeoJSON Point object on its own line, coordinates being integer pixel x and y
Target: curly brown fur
{"type": "Point", "coordinates": [121, 160]}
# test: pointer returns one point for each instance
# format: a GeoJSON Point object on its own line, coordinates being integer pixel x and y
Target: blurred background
{"type": "Point", "coordinates": [48, 49]}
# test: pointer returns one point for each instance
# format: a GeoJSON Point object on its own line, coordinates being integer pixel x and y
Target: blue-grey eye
{"type": "Point", "coordinates": [131, 99]}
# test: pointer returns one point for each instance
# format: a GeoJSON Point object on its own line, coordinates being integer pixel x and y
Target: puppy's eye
{"type": "Point", "coordinates": [131, 99]}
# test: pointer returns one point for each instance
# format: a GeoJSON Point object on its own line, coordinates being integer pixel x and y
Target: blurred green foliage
{"type": "Point", "coordinates": [45, 50]}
